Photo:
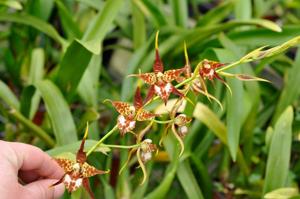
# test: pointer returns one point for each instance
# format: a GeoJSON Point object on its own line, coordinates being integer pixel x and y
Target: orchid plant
{"type": "Point", "coordinates": [160, 85]}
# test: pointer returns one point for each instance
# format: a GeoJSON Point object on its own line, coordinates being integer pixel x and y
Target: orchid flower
{"type": "Point", "coordinates": [130, 114]}
{"type": "Point", "coordinates": [160, 81]}
{"type": "Point", "coordinates": [77, 172]}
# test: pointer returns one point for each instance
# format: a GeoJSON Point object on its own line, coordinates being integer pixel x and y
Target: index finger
{"type": "Point", "coordinates": [32, 158]}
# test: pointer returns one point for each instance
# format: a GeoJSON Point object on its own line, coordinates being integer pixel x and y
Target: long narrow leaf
{"type": "Point", "coordinates": [8, 96]}
{"type": "Point", "coordinates": [34, 22]}
{"type": "Point", "coordinates": [279, 152]}
{"type": "Point", "coordinates": [59, 112]}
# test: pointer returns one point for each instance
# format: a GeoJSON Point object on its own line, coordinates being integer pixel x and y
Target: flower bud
{"type": "Point", "coordinates": [147, 148]}
{"type": "Point", "coordinates": [182, 131]}
{"type": "Point", "coordinates": [182, 120]}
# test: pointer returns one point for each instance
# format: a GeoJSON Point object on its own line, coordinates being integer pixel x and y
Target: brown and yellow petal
{"type": "Point", "coordinates": [89, 171]}
{"type": "Point", "coordinates": [148, 78]}
{"type": "Point", "coordinates": [124, 108]}
{"type": "Point", "coordinates": [171, 75]}
{"type": "Point", "coordinates": [144, 115]}
{"type": "Point", "coordinates": [66, 164]}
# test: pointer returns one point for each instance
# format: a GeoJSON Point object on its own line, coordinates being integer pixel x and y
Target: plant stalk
{"type": "Point", "coordinates": [101, 140]}
{"type": "Point", "coordinates": [35, 129]}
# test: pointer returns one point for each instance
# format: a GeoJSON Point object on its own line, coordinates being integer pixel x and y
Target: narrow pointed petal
{"type": "Point", "coordinates": [128, 159]}
{"type": "Point", "coordinates": [123, 108]}
{"type": "Point", "coordinates": [65, 164]}
{"type": "Point", "coordinates": [171, 75]}
{"type": "Point", "coordinates": [144, 115]}
{"type": "Point", "coordinates": [180, 141]}
{"type": "Point", "coordinates": [141, 163]}
{"type": "Point", "coordinates": [150, 94]}
{"type": "Point", "coordinates": [176, 92]}
{"type": "Point", "coordinates": [138, 101]}
{"type": "Point", "coordinates": [81, 156]}
{"type": "Point", "coordinates": [244, 77]}
{"type": "Point", "coordinates": [158, 65]}
{"type": "Point", "coordinates": [86, 185]}
{"type": "Point", "coordinates": [89, 171]}
{"type": "Point", "coordinates": [148, 78]}
{"type": "Point", "coordinates": [61, 180]}
{"type": "Point", "coordinates": [187, 66]}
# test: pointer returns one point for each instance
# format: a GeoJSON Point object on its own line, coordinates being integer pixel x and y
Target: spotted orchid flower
{"type": "Point", "coordinates": [160, 81]}
{"type": "Point", "coordinates": [77, 172]}
{"type": "Point", "coordinates": [130, 114]}
{"type": "Point", "coordinates": [209, 70]}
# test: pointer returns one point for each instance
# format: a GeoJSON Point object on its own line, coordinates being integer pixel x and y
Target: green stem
{"type": "Point", "coordinates": [34, 128]}
{"type": "Point", "coordinates": [163, 122]}
{"type": "Point", "coordinates": [121, 146]}
{"type": "Point", "coordinates": [101, 140]}
{"type": "Point", "coordinates": [229, 66]}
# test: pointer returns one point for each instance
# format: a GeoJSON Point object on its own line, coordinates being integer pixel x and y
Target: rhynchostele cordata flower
{"type": "Point", "coordinates": [129, 114]}
{"type": "Point", "coordinates": [213, 70]}
{"type": "Point", "coordinates": [77, 172]}
{"type": "Point", "coordinates": [160, 81]}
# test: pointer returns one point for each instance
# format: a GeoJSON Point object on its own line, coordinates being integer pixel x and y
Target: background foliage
{"type": "Point", "coordinates": [59, 59]}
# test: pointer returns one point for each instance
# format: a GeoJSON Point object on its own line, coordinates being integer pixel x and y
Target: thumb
{"type": "Point", "coordinates": [42, 189]}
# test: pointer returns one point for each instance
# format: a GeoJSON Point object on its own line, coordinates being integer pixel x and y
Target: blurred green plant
{"type": "Point", "coordinates": [60, 59]}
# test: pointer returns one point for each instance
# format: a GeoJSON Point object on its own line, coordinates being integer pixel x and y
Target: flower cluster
{"type": "Point", "coordinates": [161, 85]}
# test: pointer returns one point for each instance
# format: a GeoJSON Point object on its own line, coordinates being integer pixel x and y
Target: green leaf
{"type": "Point", "coordinates": [103, 21]}
{"type": "Point", "coordinates": [180, 12]}
{"type": "Point", "coordinates": [92, 3]}
{"type": "Point", "coordinates": [243, 9]}
{"type": "Point", "coordinates": [40, 8]}
{"type": "Point", "coordinates": [26, 97]}
{"type": "Point", "coordinates": [279, 152]}
{"type": "Point", "coordinates": [139, 27]}
{"type": "Point", "coordinates": [267, 24]}
{"type": "Point", "coordinates": [35, 23]}
{"type": "Point", "coordinates": [68, 23]}
{"type": "Point", "coordinates": [8, 96]}
{"type": "Point", "coordinates": [282, 193]}
{"type": "Point", "coordinates": [72, 67]}
{"type": "Point", "coordinates": [12, 4]}
{"type": "Point", "coordinates": [211, 120]}
{"type": "Point", "coordinates": [291, 90]}
{"type": "Point", "coordinates": [151, 10]}
{"type": "Point", "coordinates": [188, 180]}
{"type": "Point", "coordinates": [216, 15]}
{"type": "Point", "coordinates": [234, 104]}
{"type": "Point", "coordinates": [88, 86]}
{"type": "Point", "coordinates": [59, 112]}
{"type": "Point", "coordinates": [36, 73]}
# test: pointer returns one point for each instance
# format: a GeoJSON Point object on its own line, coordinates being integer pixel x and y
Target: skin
{"type": "Point", "coordinates": [27, 172]}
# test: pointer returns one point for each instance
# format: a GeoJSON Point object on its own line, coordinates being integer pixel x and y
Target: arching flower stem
{"type": "Point", "coordinates": [122, 146]}
{"type": "Point", "coordinates": [102, 140]}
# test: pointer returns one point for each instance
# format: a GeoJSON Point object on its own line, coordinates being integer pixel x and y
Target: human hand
{"type": "Point", "coordinates": [33, 167]}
